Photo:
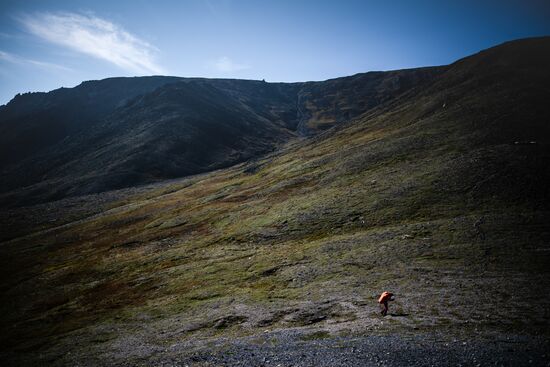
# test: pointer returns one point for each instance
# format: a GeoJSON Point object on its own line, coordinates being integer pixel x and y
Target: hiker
{"type": "Point", "coordinates": [383, 300]}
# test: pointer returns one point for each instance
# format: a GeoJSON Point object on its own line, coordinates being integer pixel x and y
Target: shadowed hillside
{"type": "Point", "coordinates": [32, 122]}
{"type": "Point", "coordinates": [123, 132]}
{"type": "Point", "coordinates": [438, 191]}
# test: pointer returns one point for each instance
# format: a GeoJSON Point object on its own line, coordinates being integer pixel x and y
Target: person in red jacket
{"type": "Point", "coordinates": [383, 300]}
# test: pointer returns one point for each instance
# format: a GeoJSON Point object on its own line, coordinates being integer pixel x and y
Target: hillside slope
{"type": "Point", "coordinates": [32, 122]}
{"type": "Point", "coordinates": [123, 132]}
{"type": "Point", "coordinates": [440, 195]}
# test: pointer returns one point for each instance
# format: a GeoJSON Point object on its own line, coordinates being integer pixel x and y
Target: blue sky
{"type": "Point", "coordinates": [48, 44]}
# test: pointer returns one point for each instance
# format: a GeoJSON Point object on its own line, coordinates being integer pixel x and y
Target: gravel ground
{"type": "Point", "coordinates": [293, 349]}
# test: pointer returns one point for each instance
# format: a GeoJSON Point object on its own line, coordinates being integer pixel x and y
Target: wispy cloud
{"type": "Point", "coordinates": [15, 59]}
{"type": "Point", "coordinates": [96, 37]}
{"type": "Point", "coordinates": [6, 35]}
{"type": "Point", "coordinates": [225, 64]}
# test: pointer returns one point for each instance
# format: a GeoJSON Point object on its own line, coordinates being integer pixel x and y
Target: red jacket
{"type": "Point", "coordinates": [385, 297]}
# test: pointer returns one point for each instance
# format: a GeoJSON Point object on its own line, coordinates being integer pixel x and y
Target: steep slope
{"type": "Point", "coordinates": [440, 195]}
{"type": "Point", "coordinates": [124, 132]}
{"type": "Point", "coordinates": [326, 104]}
{"type": "Point", "coordinates": [177, 130]}
{"type": "Point", "coordinates": [34, 121]}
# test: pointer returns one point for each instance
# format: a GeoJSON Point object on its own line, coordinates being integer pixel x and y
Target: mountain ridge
{"type": "Point", "coordinates": [276, 113]}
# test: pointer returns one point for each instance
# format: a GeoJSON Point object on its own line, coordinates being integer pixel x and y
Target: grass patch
{"type": "Point", "coordinates": [318, 335]}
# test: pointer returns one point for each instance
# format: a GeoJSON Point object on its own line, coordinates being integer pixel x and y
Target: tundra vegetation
{"type": "Point", "coordinates": [439, 194]}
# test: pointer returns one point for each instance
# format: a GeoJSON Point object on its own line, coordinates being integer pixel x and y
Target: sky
{"type": "Point", "coordinates": [46, 44]}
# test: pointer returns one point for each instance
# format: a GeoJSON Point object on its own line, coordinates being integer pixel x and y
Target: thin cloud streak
{"type": "Point", "coordinates": [15, 59]}
{"type": "Point", "coordinates": [226, 65]}
{"type": "Point", "coordinates": [96, 37]}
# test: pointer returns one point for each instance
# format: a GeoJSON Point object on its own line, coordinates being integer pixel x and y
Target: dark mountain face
{"type": "Point", "coordinates": [175, 131]}
{"type": "Point", "coordinates": [326, 104]}
{"type": "Point", "coordinates": [124, 132]}
{"type": "Point", "coordinates": [34, 121]}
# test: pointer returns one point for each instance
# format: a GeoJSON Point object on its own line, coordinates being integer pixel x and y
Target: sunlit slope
{"type": "Point", "coordinates": [440, 196]}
